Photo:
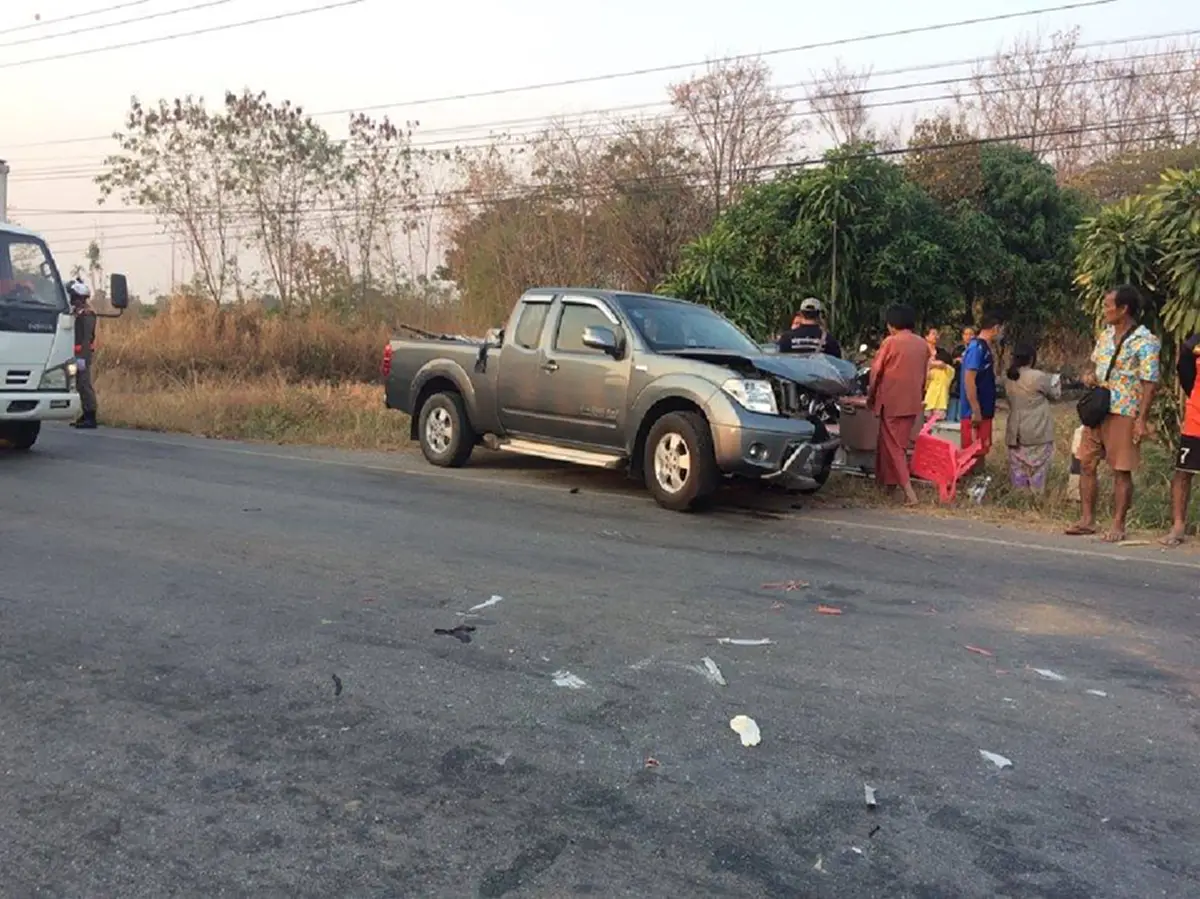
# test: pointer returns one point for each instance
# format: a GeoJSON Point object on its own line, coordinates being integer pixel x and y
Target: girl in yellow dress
{"type": "Point", "coordinates": [937, 385]}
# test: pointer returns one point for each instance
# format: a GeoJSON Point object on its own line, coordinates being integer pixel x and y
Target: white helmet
{"type": "Point", "coordinates": [78, 291]}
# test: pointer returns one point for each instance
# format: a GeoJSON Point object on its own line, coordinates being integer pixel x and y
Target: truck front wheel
{"type": "Point", "coordinates": [20, 435]}
{"type": "Point", "coordinates": [446, 435]}
{"type": "Point", "coordinates": [680, 464]}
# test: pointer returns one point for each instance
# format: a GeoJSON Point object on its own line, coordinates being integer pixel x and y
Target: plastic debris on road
{"type": "Point", "coordinates": [1047, 674]}
{"type": "Point", "coordinates": [869, 796]}
{"type": "Point", "coordinates": [788, 586]}
{"type": "Point", "coordinates": [566, 679]}
{"type": "Point", "coordinates": [337, 686]}
{"type": "Point", "coordinates": [1097, 693]}
{"type": "Point", "coordinates": [712, 672]}
{"type": "Point", "coordinates": [746, 641]}
{"type": "Point", "coordinates": [652, 762]}
{"type": "Point", "coordinates": [978, 489]}
{"type": "Point", "coordinates": [746, 727]}
{"type": "Point", "coordinates": [979, 650]}
{"type": "Point", "coordinates": [487, 604]}
{"type": "Point", "coordinates": [828, 610]}
{"type": "Point", "coordinates": [996, 759]}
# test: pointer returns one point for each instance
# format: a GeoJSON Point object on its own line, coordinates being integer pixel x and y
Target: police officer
{"type": "Point", "coordinates": [85, 348]}
{"type": "Point", "coordinates": [808, 336]}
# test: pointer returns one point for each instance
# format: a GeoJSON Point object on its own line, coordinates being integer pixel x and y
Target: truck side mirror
{"type": "Point", "coordinates": [118, 292]}
{"type": "Point", "coordinates": [603, 339]}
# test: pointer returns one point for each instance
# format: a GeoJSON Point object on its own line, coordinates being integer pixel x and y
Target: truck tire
{"type": "Point", "coordinates": [20, 435]}
{"type": "Point", "coordinates": [680, 464]}
{"type": "Point", "coordinates": [447, 438]}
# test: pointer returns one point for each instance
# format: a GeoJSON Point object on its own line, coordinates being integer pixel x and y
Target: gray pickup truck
{"type": "Point", "coordinates": [668, 390]}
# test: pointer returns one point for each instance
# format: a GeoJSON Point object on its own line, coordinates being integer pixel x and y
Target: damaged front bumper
{"type": "Point", "coordinates": [805, 466]}
{"type": "Point", "coordinates": [785, 451]}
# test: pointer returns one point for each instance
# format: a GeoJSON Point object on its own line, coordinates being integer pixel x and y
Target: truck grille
{"type": "Point", "coordinates": [17, 377]}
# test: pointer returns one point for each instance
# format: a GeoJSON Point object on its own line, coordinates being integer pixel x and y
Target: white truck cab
{"type": "Point", "coordinates": [37, 338]}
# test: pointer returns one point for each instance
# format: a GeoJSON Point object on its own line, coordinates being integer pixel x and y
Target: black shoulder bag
{"type": "Point", "coordinates": [1093, 406]}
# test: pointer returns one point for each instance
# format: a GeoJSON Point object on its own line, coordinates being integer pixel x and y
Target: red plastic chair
{"type": "Point", "coordinates": [941, 462]}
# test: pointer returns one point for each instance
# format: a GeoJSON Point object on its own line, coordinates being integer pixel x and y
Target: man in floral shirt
{"type": "Point", "coordinates": [1118, 440]}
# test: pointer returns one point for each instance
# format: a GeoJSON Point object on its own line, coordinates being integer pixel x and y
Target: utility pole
{"type": "Point", "coordinates": [833, 273]}
{"type": "Point", "coordinates": [3, 191]}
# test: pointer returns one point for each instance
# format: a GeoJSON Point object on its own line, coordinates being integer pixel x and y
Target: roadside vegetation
{"type": "Point", "coordinates": [1051, 172]}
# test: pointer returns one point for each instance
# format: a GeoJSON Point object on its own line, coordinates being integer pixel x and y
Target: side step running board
{"type": "Point", "coordinates": [561, 453]}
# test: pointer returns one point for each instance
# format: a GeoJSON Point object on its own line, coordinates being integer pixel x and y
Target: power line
{"type": "Point", "coordinates": [543, 124]}
{"type": "Point", "coordinates": [727, 59]}
{"type": "Point", "coordinates": [551, 120]}
{"type": "Point", "coordinates": [743, 57]}
{"type": "Point", "coordinates": [462, 199]}
{"type": "Point", "coordinates": [106, 25]}
{"type": "Point", "coordinates": [40, 23]}
{"type": "Point", "coordinates": [58, 57]}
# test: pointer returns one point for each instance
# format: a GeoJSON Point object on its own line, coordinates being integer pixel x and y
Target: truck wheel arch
{"type": "Point", "coordinates": [662, 407]}
{"type": "Point", "coordinates": [434, 384]}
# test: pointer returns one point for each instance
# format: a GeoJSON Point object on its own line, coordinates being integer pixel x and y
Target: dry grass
{"type": "Point", "coordinates": [1151, 508]}
{"type": "Point", "coordinates": [264, 409]}
{"type": "Point", "coordinates": [190, 340]}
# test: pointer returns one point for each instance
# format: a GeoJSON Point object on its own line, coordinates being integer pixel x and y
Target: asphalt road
{"type": "Point", "coordinates": [173, 614]}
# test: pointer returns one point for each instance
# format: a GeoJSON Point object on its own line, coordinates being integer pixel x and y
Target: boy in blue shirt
{"type": "Point", "coordinates": [978, 402]}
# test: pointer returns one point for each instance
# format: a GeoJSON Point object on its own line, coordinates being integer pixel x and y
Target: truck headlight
{"type": "Point", "coordinates": [755, 396]}
{"type": "Point", "coordinates": [54, 379]}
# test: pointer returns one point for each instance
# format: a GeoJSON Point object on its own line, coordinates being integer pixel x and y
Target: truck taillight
{"type": "Point", "coordinates": [386, 368]}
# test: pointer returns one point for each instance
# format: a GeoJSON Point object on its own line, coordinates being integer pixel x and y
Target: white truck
{"type": "Point", "coordinates": [37, 335]}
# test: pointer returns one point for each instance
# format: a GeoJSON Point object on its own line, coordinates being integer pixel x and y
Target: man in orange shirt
{"type": "Point", "coordinates": [1187, 462]}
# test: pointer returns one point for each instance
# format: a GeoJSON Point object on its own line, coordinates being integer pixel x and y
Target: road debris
{"type": "Point", "coordinates": [875, 830]}
{"type": "Point", "coordinates": [564, 678]}
{"type": "Point", "coordinates": [1047, 674]}
{"type": "Point", "coordinates": [828, 610]}
{"type": "Point", "coordinates": [1097, 693]}
{"type": "Point", "coordinates": [652, 762]}
{"type": "Point", "coordinates": [820, 865]}
{"type": "Point", "coordinates": [998, 760]}
{"type": "Point", "coordinates": [788, 586]}
{"type": "Point", "coordinates": [746, 727]}
{"type": "Point", "coordinates": [744, 641]}
{"type": "Point", "coordinates": [574, 490]}
{"type": "Point", "coordinates": [979, 650]}
{"type": "Point", "coordinates": [487, 604]}
{"type": "Point", "coordinates": [869, 795]}
{"type": "Point", "coordinates": [337, 686]}
{"type": "Point", "coordinates": [712, 672]}
{"type": "Point", "coordinates": [460, 632]}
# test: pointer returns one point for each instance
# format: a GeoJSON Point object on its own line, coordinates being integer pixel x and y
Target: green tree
{"type": "Point", "coordinates": [1151, 241]}
{"type": "Point", "coordinates": [1035, 220]}
{"type": "Point", "coordinates": [854, 230]}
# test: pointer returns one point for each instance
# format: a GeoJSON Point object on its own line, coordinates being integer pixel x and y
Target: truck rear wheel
{"type": "Point", "coordinates": [680, 464]}
{"type": "Point", "coordinates": [447, 438]}
{"type": "Point", "coordinates": [20, 435]}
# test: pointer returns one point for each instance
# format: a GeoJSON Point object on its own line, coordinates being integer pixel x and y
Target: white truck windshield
{"type": "Point", "coordinates": [28, 276]}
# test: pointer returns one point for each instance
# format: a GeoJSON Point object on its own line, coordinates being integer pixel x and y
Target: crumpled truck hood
{"type": "Point", "coordinates": [823, 374]}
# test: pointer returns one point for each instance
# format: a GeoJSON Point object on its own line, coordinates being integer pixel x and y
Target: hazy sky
{"type": "Point", "coordinates": [378, 52]}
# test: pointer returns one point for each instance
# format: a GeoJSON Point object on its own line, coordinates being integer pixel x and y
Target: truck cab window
{"type": "Point", "coordinates": [529, 327]}
{"type": "Point", "coordinates": [574, 320]}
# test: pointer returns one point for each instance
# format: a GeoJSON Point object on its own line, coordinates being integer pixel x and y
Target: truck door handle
{"type": "Point", "coordinates": [550, 366]}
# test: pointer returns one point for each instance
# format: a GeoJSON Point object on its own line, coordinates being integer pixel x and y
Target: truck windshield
{"type": "Point", "coordinates": [28, 276]}
{"type": "Point", "coordinates": [668, 325]}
